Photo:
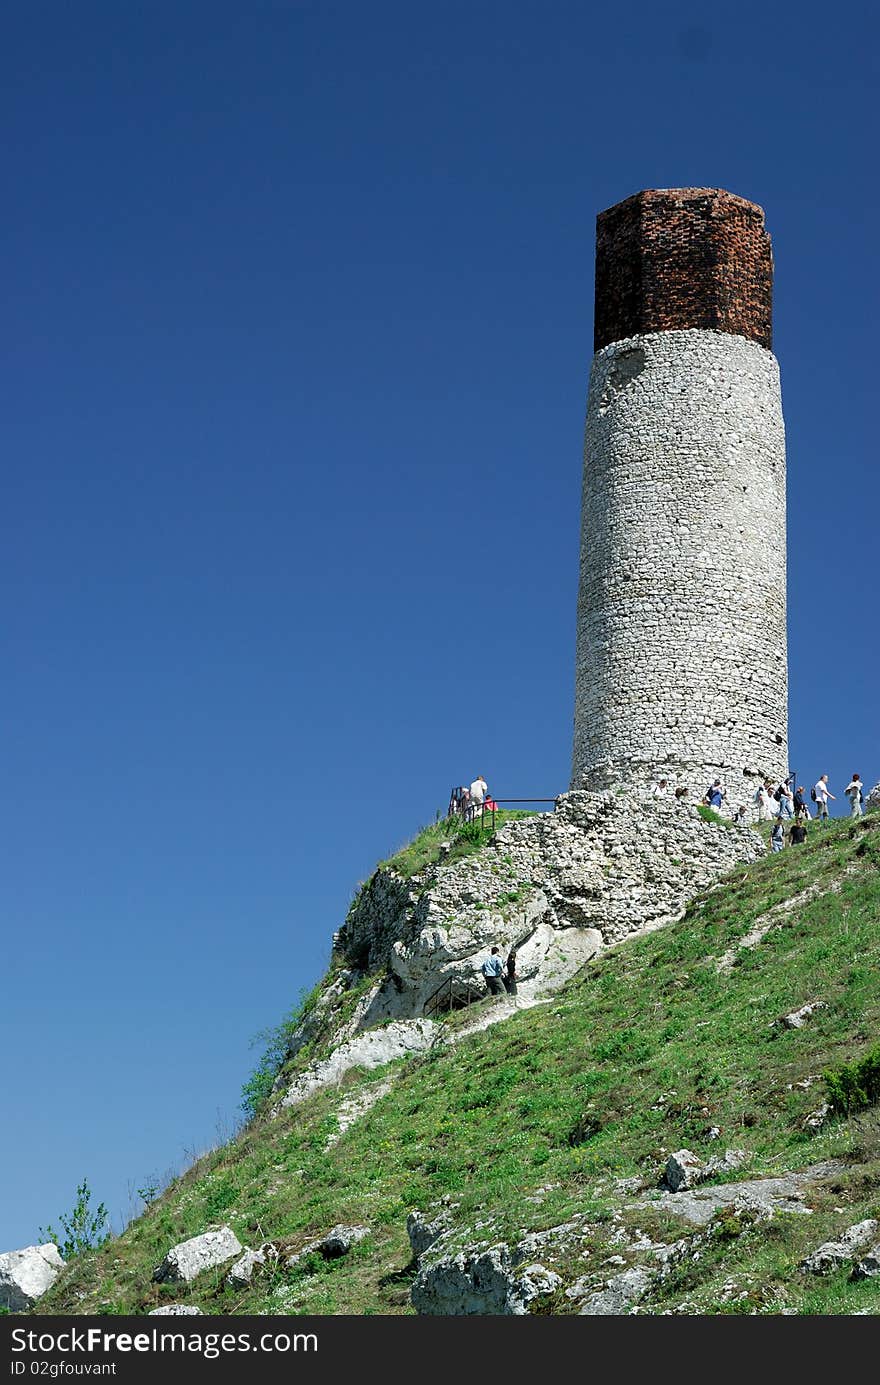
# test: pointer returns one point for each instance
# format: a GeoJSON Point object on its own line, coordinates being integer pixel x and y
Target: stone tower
{"type": "Point", "coordinates": [681, 641]}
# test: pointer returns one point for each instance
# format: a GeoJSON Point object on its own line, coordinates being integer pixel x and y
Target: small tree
{"type": "Point", "coordinates": [82, 1227]}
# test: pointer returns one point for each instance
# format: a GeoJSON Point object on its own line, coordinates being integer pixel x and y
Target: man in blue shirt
{"type": "Point", "coordinates": [493, 970]}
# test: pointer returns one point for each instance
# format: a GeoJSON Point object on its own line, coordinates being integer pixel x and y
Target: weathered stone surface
{"type": "Point", "coordinates": [26, 1274]}
{"type": "Point", "coordinates": [481, 1282]}
{"type": "Point", "coordinates": [798, 1018]}
{"type": "Point", "coordinates": [175, 1310]}
{"type": "Point", "coordinates": [242, 1271]}
{"type": "Point", "coordinates": [683, 1170]}
{"type": "Point", "coordinates": [369, 1050]}
{"type": "Point", "coordinates": [869, 1265]}
{"type": "Point", "coordinates": [340, 1240]}
{"type": "Point", "coordinates": [600, 867]}
{"type": "Point", "coordinates": [619, 1294]}
{"type": "Point", "coordinates": [684, 486]}
{"type": "Point", "coordinates": [188, 1259]}
{"type": "Point", "coordinates": [559, 887]}
{"type": "Point", "coordinates": [832, 1254]}
{"type": "Point", "coordinates": [762, 1196]}
{"type": "Point", "coordinates": [337, 1242]}
{"type": "Point", "coordinates": [423, 1228]}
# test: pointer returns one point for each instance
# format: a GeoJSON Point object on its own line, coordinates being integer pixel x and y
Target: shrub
{"type": "Point", "coordinates": [82, 1227]}
{"type": "Point", "coordinates": [853, 1086]}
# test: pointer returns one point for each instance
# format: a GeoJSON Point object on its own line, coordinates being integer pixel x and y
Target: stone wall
{"type": "Point", "coordinates": [672, 258]}
{"type": "Point", "coordinates": [681, 648]}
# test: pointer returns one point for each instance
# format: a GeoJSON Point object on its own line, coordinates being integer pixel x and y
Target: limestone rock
{"type": "Point", "coordinates": [175, 1310]}
{"type": "Point", "coordinates": [814, 1121]}
{"type": "Point", "coordinates": [372, 1049]}
{"type": "Point", "coordinates": [869, 1265]}
{"type": "Point", "coordinates": [831, 1254]}
{"type": "Point", "coordinates": [188, 1259]}
{"type": "Point", "coordinates": [480, 1281]}
{"type": "Point", "coordinates": [683, 1170]}
{"type": "Point", "coordinates": [242, 1271]}
{"type": "Point", "coordinates": [336, 1243]}
{"type": "Point", "coordinates": [340, 1240]}
{"type": "Point", "coordinates": [798, 1018]}
{"type": "Point", "coordinates": [424, 1229]}
{"type": "Point", "coordinates": [619, 1294]}
{"type": "Point", "coordinates": [26, 1274]}
{"type": "Point", "coordinates": [873, 799]}
{"type": "Point", "coordinates": [760, 1196]}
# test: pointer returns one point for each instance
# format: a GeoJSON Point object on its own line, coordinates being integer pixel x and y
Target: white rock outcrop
{"type": "Point", "coordinates": [480, 1282]}
{"type": "Point", "coordinates": [619, 1294]}
{"type": "Point", "coordinates": [26, 1274]}
{"type": "Point", "coordinates": [372, 1049]}
{"type": "Point", "coordinates": [832, 1254]}
{"type": "Point", "coordinates": [188, 1259]}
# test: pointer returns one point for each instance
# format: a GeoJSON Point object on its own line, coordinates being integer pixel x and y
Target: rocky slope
{"type": "Point", "coordinates": [654, 1134]}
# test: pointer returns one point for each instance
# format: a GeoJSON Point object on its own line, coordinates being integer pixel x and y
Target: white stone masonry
{"type": "Point", "coordinates": [681, 649]}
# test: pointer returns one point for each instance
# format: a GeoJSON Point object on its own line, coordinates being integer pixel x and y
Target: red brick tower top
{"type": "Point", "coordinates": [672, 258]}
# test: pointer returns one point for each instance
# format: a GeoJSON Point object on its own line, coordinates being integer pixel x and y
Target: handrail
{"type": "Point", "coordinates": [449, 983]}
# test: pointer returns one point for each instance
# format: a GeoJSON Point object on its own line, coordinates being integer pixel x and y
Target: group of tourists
{"type": "Point", "coordinates": [469, 800]}
{"type": "Point", "coordinates": [778, 803]}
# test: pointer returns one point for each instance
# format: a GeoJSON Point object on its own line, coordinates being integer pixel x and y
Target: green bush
{"type": "Point", "coordinates": [82, 1227]}
{"type": "Point", "coordinates": [853, 1086]}
{"type": "Point", "coordinates": [257, 1089]}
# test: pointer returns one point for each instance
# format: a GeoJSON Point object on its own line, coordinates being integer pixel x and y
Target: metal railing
{"type": "Point", "coordinates": [455, 993]}
{"type": "Point", "coordinates": [470, 814]}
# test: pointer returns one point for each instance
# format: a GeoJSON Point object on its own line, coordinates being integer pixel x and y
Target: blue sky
{"type": "Point", "coordinates": [296, 333]}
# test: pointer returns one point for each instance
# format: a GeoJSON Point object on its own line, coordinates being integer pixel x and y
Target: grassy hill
{"type": "Point", "coordinates": [668, 1040]}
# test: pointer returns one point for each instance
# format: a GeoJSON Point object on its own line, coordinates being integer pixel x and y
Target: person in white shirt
{"type": "Point", "coordinates": [479, 789]}
{"type": "Point", "coordinates": [822, 796]}
{"type": "Point", "coordinates": [853, 792]}
{"type": "Point", "coordinates": [660, 788]}
{"type": "Point", "coordinates": [764, 800]}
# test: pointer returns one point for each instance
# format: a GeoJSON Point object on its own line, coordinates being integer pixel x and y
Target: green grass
{"type": "Point", "coordinates": [530, 1122]}
{"type": "Point", "coordinates": [463, 838]}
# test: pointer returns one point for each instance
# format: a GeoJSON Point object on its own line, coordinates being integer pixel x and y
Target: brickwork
{"type": "Point", "coordinates": [673, 258]}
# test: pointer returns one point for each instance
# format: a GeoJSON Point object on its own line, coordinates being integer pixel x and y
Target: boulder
{"type": "Point", "coordinates": [242, 1271]}
{"type": "Point", "coordinates": [26, 1274]}
{"type": "Point", "coordinates": [340, 1240]}
{"type": "Point", "coordinates": [683, 1171]}
{"type": "Point", "coordinates": [188, 1259]}
{"type": "Point", "coordinates": [480, 1282]}
{"type": "Point", "coordinates": [869, 1265]}
{"type": "Point", "coordinates": [619, 1294]}
{"type": "Point", "coordinates": [336, 1243]}
{"type": "Point", "coordinates": [832, 1254]}
{"type": "Point", "coordinates": [798, 1018]}
{"type": "Point", "coordinates": [873, 799]}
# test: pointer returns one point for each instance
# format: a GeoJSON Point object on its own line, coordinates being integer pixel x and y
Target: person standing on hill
{"type": "Point", "coordinates": [479, 789]}
{"type": "Point", "coordinates": [854, 793]}
{"type": "Point", "coordinates": [764, 800]}
{"type": "Point", "coordinates": [510, 978]}
{"type": "Point", "coordinates": [822, 794]}
{"type": "Point", "coordinates": [493, 971]}
{"type": "Point", "coordinates": [801, 810]}
{"type": "Point", "coordinates": [777, 836]}
{"type": "Point", "coordinates": [798, 832]}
